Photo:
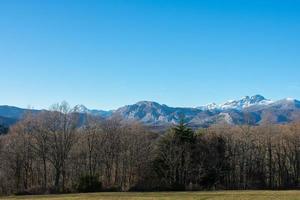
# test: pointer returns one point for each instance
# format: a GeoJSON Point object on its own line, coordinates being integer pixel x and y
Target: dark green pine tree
{"type": "Point", "coordinates": [183, 132]}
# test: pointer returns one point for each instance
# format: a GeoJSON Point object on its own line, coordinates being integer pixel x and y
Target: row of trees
{"type": "Point", "coordinates": [64, 151]}
{"type": "Point", "coordinates": [232, 157]}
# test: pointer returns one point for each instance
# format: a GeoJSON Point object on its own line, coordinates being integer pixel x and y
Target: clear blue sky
{"type": "Point", "coordinates": [105, 54]}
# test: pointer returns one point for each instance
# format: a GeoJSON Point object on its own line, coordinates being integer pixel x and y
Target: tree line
{"type": "Point", "coordinates": [62, 151]}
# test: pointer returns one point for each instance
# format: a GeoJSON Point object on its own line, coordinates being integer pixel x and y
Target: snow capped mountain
{"type": "Point", "coordinates": [245, 102]}
{"type": "Point", "coordinates": [153, 114]}
{"type": "Point", "coordinates": [211, 106]}
{"type": "Point", "coordinates": [287, 103]}
{"type": "Point", "coordinates": [232, 112]}
{"type": "Point", "coordinates": [257, 107]}
{"type": "Point", "coordinates": [101, 113]}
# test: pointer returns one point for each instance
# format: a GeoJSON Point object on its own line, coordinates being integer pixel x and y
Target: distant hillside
{"type": "Point", "coordinates": [9, 115]}
{"type": "Point", "coordinates": [254, 110]}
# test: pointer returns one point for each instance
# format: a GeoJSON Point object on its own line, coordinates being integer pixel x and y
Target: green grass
{"type": "Point", "coordinates": [222, 195]}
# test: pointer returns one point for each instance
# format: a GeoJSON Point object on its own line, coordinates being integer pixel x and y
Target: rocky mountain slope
{"type": "Point", "coordinates": [251, 110]}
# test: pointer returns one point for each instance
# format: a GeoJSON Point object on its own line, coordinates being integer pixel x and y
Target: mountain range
{"type": "Point", "coordinates": [251, 110]}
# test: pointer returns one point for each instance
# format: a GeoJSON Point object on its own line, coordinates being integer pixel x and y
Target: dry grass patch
{"type": "Point", "coordinates": [222, 195]}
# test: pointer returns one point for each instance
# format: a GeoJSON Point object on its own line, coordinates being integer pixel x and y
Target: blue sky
{"type": "Point", "coordinates": [108, 53]}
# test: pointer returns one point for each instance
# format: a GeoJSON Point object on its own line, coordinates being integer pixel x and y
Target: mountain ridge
{"type": "Point", "coordinates": [234, 112]}
{"type": "Point", "coordinates": [151, 113]}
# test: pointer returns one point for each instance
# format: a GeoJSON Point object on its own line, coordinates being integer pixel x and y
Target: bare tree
{"type": "Point", "coordinates": [62, 123]}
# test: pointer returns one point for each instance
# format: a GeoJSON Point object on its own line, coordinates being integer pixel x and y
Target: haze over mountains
{"type": "Point", "coordinates": [251, 110]}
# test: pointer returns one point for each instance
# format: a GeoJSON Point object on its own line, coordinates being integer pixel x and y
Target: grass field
{"type": "Point", "coordinates": [227, 195]}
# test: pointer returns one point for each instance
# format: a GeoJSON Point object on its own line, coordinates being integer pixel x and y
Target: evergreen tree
{"type": "Point", "coordinates": [174, 158]}
{"type": "Point", "coordinates": [184, 133]}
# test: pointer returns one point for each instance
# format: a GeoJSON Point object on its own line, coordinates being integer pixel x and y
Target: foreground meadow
{"type": "Point", "coordinates": [224, 195]}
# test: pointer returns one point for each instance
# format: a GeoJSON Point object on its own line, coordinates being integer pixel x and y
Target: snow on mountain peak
{"type": "Point", "coordinates": [290, 99]}
{"type": "Point", "coordinates": [211, 106]}
{"type": "Point", "coordinates": [240, 104]}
